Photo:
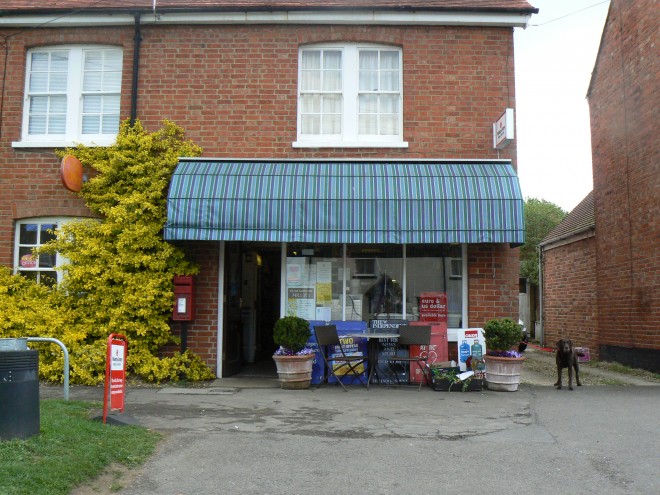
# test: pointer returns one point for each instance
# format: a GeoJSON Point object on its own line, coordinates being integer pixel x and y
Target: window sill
{"type": "Point", "coordinates": [60, 144]}
{"type": "Point", "coordinates": [349, 144]}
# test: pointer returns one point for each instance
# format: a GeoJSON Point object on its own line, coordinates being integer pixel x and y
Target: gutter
{"type": "Point", "coordinates": [566, 236]}
{"type": "Point", "coordinates": [362, 16]}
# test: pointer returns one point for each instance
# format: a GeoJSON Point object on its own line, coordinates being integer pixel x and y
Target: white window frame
{"type": "Point", "coordinates": [73, 134]}
{"type": "Point", "coordinates": [349, 137]}
{"type": "Point", "coordinates": [59, 260]}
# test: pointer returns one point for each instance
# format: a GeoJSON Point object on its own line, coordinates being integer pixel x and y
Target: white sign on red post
{"type": "Point", "coordinates": [115, 374]}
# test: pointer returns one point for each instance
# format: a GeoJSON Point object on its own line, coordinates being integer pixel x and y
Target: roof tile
{"type": "Point", "coordinates": [578, 220]}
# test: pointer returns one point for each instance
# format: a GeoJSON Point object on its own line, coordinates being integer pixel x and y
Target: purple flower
{"type": "Point", "coordinates": [282, 351]}
{"type": "Point", "coordinates": [509, 354]}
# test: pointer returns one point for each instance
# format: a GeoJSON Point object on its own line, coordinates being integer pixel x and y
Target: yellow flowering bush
{"type": "Point", "coordinates": [119, 270]}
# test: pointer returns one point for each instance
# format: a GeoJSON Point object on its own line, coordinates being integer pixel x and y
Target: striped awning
{"type": "Point", "coordinates": [407, 202]}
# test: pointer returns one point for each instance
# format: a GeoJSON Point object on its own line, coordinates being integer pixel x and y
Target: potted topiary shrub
{"type": "Point", "coordinates": [503, 363]}
{"type": "Point", "coordinates": [293, 358]}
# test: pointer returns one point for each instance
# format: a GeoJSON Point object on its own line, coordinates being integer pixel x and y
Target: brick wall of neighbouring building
{"type": "Point", "coordinates": [569, 294]}
{"type": "Point", "coordinates": [623, 101]}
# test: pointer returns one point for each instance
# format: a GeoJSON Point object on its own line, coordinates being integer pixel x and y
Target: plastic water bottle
{"type": "Point", "coordinates": [464, 351]}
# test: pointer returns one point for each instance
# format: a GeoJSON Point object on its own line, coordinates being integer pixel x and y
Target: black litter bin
{"type": "Point", "coordinates": [19, 394]}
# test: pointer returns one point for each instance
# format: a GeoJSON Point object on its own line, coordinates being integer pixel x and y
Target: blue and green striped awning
{"type": "Point", "coordinates": [407, 202]}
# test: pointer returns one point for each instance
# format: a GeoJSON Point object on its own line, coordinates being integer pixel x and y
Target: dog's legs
{"type": "Point", "coordinates": [570, 378]}
{"type": "Point", "coordinates": [577, 373]}
{"type": "Point", "coordinates": [558, 384]}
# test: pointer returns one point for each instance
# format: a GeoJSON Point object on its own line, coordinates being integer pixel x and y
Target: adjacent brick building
{"type": "Point", "coordinates": [613, 276]}
{"type": "Point", "coordinates": [410, 87]}
{"type": "Point", "coordinates": [568, 279]}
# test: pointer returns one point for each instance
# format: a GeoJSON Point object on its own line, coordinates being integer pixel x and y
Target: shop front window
{"type": "Point", "coordinates": [367, 281]}
{"type": "Point", "coordinates": [375, 288]}
{"type": "Point", "coordinates": [314, 281]}
{"type": "Point", "coordinates": [434, 268]}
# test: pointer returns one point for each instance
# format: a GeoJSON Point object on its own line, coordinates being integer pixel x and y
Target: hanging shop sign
{"type": "Point", "coordinates": [503, 130]}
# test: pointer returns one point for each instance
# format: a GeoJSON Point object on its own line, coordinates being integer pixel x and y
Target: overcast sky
{"type": "Point", "coordinates": [555, 56]}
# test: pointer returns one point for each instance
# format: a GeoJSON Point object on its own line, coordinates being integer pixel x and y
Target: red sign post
{"type": "Point", "coordinates": [115, 374]}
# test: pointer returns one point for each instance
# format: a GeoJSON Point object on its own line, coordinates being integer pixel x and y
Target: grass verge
{"type": "Point", "coordinates": [70, 450]}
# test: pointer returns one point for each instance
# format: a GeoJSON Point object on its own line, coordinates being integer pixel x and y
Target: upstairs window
{"type": "Point", "coordinates": [350, 96]}
{"type": "Point", "coordinates": [72, 95]}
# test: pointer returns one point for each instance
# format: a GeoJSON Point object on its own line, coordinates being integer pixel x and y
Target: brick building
{"type": "Point", "coordinates": [613, 276]}
{"type": "Point", "coordinates": [348, 145]}
{"type": "Point", "coordinates": [568, 279]}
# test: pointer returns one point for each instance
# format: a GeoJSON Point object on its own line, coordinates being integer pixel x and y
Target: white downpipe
{"type": "Point", "coordinates": [221, 310]}
{"type": "Point", "coordinates": [283, 282]}
{"type": "Point", "coordinates": [404, 283]}
{"type": "Point", "coordinates": [464, 286]}
{"type": "Point", "coordinates": [343, 284]}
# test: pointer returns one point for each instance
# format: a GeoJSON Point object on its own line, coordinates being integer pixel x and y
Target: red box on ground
{"type": "Point", "coordinates": [437, 351]}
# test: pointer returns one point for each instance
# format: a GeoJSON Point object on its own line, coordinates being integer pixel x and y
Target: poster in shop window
{"type": "Point", "coordinates": [433, 306]}
{"type": "Point", "coordinates": [301, 302]}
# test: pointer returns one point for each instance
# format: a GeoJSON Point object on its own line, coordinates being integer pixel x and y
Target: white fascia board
{"type": "Point", "coordinates": [365, 17]}
{"type": "Point", "coordinates": [36, 21]}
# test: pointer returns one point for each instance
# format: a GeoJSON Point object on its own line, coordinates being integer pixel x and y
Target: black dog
{"type": "Point", "coordinates": [567, 357]}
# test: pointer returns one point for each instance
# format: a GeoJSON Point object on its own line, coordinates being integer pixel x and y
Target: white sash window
{"type": "Point", "coordinates": [350, 96]}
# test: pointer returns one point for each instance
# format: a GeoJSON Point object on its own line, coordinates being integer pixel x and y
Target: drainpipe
{"type": "Point", "coordinates": [541, 337]}
{"type": "Point", "coordinates": [137, 38]}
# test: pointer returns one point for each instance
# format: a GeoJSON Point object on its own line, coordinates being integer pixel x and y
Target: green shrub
{"type": "Point", "coordinates": [502, 334]}
{"type": "Point", "coordinates": [292, 333]}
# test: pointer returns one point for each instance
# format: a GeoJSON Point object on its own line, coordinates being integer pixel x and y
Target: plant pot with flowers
{"type": "Point", "coordinates": [503, 363]}
{"type": "Point", "coordinates": [293, 358]}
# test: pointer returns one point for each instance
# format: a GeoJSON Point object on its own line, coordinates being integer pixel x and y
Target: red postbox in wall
{"type": "Point", "coordinates": [184, 298]}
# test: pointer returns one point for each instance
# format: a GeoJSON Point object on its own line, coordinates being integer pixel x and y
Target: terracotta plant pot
{"type": "Point", "coordinates": [503, 373]}
{"type": "Point", "coordinates": [295, 372]}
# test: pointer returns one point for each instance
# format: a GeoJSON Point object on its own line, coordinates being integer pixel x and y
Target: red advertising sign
{"type": "Point", "coordinates": [437, 351]}
{"type": "Point", "coordinates": [433, 306]}
{"type": "Point", "coordinates": [115, 374]}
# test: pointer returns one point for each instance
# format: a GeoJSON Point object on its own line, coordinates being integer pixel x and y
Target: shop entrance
{"type": "Point", "coordinates": [252, 305]}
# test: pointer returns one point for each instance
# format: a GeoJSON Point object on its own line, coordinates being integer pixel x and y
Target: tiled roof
{"type": "Point", "coordinates": [578, 220]}
{"type": "Point", "coordinates": [34, 6]}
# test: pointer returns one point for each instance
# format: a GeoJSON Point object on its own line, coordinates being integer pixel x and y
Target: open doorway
{"type": "Point", "coordinates": [252, 305]}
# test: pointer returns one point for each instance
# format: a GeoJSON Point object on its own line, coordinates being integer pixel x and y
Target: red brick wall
{"type": "Point", "coordinates": [569, 295]}
{"type": "Point", "coordinates": [623, 101]}
{"type": "Point", "coordinates": [493, 283]}
{"type": "Point", "coordinates": [203, 331]}
{"type": "Point", "coordinates": [233, 89]}
{"type": "Point", "coordinates": [29, 178]}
